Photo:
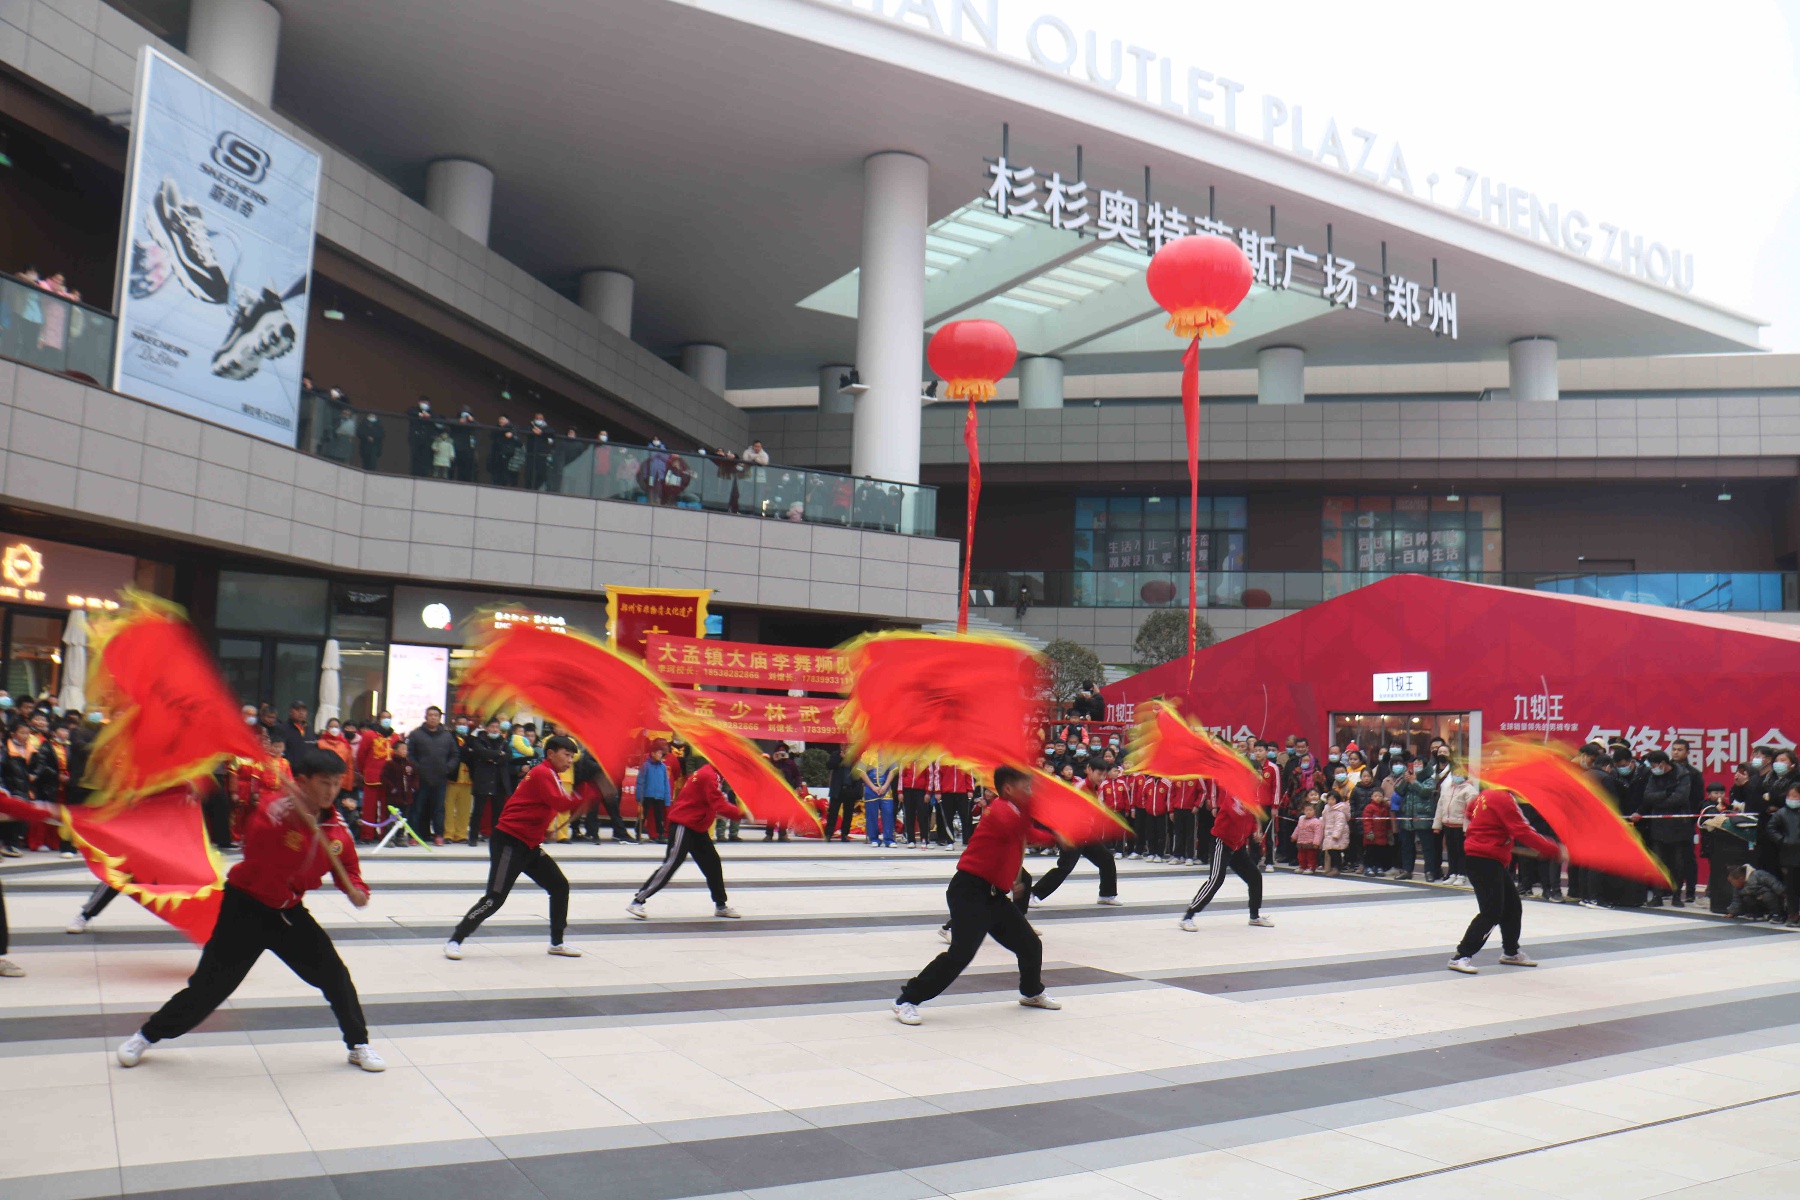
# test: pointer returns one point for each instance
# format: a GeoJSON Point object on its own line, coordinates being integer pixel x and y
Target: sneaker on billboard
{"type": "Point", "coordinates": [181, 230]}
{"type": "Point", "coordinates": [260, 329]}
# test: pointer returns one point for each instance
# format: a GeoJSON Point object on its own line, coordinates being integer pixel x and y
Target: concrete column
{"type": "Point", "coordinates": [1531, 373]}
{"type": "Point", "coordinates": [704, 363]}
{"type": "Point", "coordinates": [1041, 382]}
{"type": "Point", "coordinates": [237, 40]}
{"type": "Point", "coordinates": [1281, 375]}
{"type": "Point", "coordinates": [462, 193]}
{"type": "Point", "coordinates": [829, 399]}
{"type": "Point", "coordinates": [608, 295]}
{"type": "Point", "coordinates": [890, 317]}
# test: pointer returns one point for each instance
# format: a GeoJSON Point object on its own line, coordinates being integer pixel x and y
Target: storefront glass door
{"type": "Point", "coordinates": [1376, 732]}
{"type": "Point", "coordinates": [34, 652]}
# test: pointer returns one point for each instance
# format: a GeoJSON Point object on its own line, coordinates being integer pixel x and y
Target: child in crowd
{"type": "Point", "coordinates": [1378, 829]}
{"type": "Point", "coordinates": [1308, 833]}
{"type": "Point", "coordinates": [1337, 833]}
{"type": "Point", "coordinates": [443, 453]}
{"type": "Point", "coordinates": [400, 780]}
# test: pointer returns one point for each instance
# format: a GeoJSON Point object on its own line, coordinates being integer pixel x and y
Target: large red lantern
{"type": "Point", "coordinates": [1199, 280]}
{"type": "Point", "coordinates": [971, 357]}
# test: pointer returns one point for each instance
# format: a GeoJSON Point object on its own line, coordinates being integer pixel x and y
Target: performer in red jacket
{"type": "Point", "coordinates": [517, 848]}
{"type": "Point", "coordinates": [1491, 826]}
{"type": "Point", "coordinates": [982, 903]}
{"type": "Point", "coordinates": [1234, 827]}
{"type": "Point", "coordinates": [701, 801]}
{"type": "Point", "coordinates": [291, 841]}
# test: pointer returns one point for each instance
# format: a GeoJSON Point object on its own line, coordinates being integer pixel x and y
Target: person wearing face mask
{"type": "Point", "coordinates": [538, 445]}
{"type": "Point", "coordinates": [459, 794]}
{"type": "Point", "coordinates": [1262, 757]}
{"type": "Point", "coordinates": [332, 738]}
{"type": "Point", "coordinates": [462, 438]}
{"type": "Point", "coordinates": [1449, 816]}
{"type": "Point", "coordinates": [1629, 778]}
{"type": "Point", "coordinates": [1412, 830]}
{"type": "Point", "coordinates": [421, 430]}
{"type": "Point", "coordinates": [373, 750]}
{"type": "Point", "coordinates": [1664, 821]}
{"type": "Point", "coordinates": [1726, 834]}
{"type": "Point", "coordinates": [1784, 832]}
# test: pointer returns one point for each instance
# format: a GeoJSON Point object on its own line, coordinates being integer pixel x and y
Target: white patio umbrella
{"type": "Point", "coordinates": [73, 696]}
{"type": "Point", "coordinates": [328, 685]}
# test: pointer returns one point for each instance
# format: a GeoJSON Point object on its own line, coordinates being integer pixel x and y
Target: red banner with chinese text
{"type": "Point", "coordinates": [769, 718]}
{"type": "Point", "coordinates": [709, 663]}
{"type": "Point", "coordinates": [635, 614]}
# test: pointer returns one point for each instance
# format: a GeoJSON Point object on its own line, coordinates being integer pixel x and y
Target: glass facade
{"type": "Point", "coordinates": [1133, 550]}
{"type": "Point", "coordinates": [1459, 538]}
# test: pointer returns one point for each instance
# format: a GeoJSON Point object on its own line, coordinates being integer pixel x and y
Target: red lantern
{"type": "Point", "coordinates": [1199, 280]}
{"type": "Point", "coordinates": [971, 356]}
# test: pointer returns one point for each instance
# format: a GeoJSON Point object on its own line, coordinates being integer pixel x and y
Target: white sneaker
{"type": "Point", "coordinates": [564, 950]}
{"type": "Point", "coordinates": [131, 1050]}
{"type": "Point", "coordinates": [1262, 922]}
{"type": "Point", "coordinates": [944, 936]}
{"type": "Point", "coordinates": [1187, 925]}
{"type": "Point", "coordinates": [78, 925]}
{"type": "Point", "coordinates": [636, 909]}
{"type": "Point", "coordinates": [1041, 1000]}
{"type": "Point", "coordinates": [1465, 966]}
{"type": "Point", "coordinates": [1110, 900]}
{"type": "Point", "coordinates": [68, 854]}
{"type": "Point", "coordinates": [725, 910]}
{"type": "Point", "coordinates": [10, 969]}
{"type": "Point", "coordinates": [453, 951]}
{"type": "Point", "coordinates": [907, 1014]}
{"type": "Point", "coordinates": [367, 1059]}
{"type": "Point", "coordinates": [1521, 959]}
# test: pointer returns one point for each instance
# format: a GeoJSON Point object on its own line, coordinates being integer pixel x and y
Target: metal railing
{"type": "Point", "coordinates": [44, 330]}
{"type": "Point", "coordinates": [515, 457]}
{"type": "Point", "coordinates": [1699, 591]}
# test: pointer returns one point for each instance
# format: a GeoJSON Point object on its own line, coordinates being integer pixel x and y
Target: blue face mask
{"type": "Point", "coordinates": [1399, 769]}
{"type": "Point", "coordinates": [1341, 776]}
{"type": "Point", "coordinates": [1781, 768]}
{"type": "Point", "coordinates": [462, 729]}
{"type": "Point", "coordinates": [386, 724]}
{"type": "Point", "coordinates": [1793, 802]}
{"type": "Point", "coordinates": [6, 701]}
{"type": "Point", "coordinates": [505, 726]}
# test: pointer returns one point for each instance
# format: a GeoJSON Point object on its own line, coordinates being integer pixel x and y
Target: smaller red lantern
{"type": "Point", "coordinates": [1199, 279]}
{"type": "Point", "coordinates": [971, 356]}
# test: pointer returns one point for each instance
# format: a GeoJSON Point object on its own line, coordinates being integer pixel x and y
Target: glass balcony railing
{"type": "Point", "coordinates": [1697, 591]}
{"type": "Point", "coordinates": [44, 330]}
{"type": "Point", "coordinates": [572, 466]}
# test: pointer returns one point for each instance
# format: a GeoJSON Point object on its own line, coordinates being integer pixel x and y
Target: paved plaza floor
{"type": "Point", "coordinates": [1651, 1054]}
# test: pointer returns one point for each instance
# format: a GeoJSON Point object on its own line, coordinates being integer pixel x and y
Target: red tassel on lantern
{"type": "Point", "coordinates": [971, 357]}
{"type": "Point", "coordinates": [1198, 280]}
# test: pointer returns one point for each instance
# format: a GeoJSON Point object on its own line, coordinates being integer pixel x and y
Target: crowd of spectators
{"type": "Point", "coordinates": [430, 443]}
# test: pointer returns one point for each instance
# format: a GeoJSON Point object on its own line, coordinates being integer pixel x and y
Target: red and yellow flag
{"type": "Point", "coordinates": [1163, 744]}
{"type": "Point", "coordinates": [760, 789]}
{"type": "Point", "coordinates": [1077, 816]}
{"type": "Point", "coordinates": [1582, 814]}
{"type": "Point", "coordinates": [971, 700]}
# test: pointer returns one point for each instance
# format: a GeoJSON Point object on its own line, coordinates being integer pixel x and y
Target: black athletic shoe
{"type": "Point", "coordinates": [260, 330]}
{"type": "Point", "coordinates": [181, 230]}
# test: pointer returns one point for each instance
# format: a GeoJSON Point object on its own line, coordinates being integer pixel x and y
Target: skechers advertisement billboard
{"type": "Point", "coordinates": [216, 256]}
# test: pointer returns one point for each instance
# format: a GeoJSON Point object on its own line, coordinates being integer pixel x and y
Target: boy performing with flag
{"type": "Point", "coordinates": [1098, 853]}
{"type": "Point", "coordinates": [291, 841]}
{"type": "Point", "coordinates": [701, 802]}
{"type": "Point", "coordinates": [1494, 824]}
{"type": "Point", "coordinates": [982, 904]}
{"type": "Point", "coordinates": [517, 848]}
{"type": "Point", "coordinates": [1235, 827]}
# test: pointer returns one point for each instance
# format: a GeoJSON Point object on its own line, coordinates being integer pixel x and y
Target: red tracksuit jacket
{"type": "Point", "coordinates": [283, 860]}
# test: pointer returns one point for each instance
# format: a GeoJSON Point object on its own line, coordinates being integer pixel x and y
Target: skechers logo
{"type": "Point", "coordinates": [241, 157]}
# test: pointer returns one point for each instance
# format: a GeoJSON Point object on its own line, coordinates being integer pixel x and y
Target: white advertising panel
{"type": "Point", "coordinates": [1402, 686]}
{"type": "Point", "coordinates": [215, 258]}
{"type": "Point", "coordinates": [418, 677]}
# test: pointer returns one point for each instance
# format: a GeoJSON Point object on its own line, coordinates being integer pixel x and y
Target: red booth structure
{"type": "Point", "coordinates": [1410, 657]}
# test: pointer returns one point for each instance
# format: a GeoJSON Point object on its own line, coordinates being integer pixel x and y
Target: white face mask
{"type": "Point", "coordinates": [1781, 768]}
{"type": "Point", "coordinates": [250, 720]}
{"type": "Point", "coordinates": [1757, 763]}
{"type": "Point", "coordinates": [1659, 770]}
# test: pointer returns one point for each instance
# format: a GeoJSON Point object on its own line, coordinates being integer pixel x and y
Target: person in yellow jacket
{"type": "Point", "coordinates": [459, 792]}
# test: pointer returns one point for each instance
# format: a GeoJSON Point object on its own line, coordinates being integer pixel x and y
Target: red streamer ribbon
{"type": "Point", "coordinates": [1190, 415]}
{"type": "Point", "coordinates": [971, 439]}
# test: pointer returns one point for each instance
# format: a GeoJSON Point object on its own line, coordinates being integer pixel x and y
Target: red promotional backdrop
{"type": "Point", "coordinates": [1529, 665]}
{"type": "Point", "coordinates": [709, 663]}
{"type": "Point", "coordinates": [769, 718]}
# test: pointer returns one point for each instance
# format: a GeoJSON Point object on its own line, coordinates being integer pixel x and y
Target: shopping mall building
{"type": "Point", "coordinates": [708, 224]}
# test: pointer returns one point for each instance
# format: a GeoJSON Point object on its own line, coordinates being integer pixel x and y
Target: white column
{"type": "Point", "coordinates": [1281, 375]}
{"type": "Point", "coordinates": [705, 364]}
{"type": "Point", "coordinates": [608, 295]}
{"type": "Point", "coordinates": [237, 40]}
{"type": "Point", "coordinates": [462, 193]}
{"type": "Point", "coordinates": [1041, 382]}
{"type": "Point", "coordinates": [830, 399]}
{"type": "Point", "coordinates": [890, 317]}
{"type": "Point", "coordinates": [1531, 369]}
